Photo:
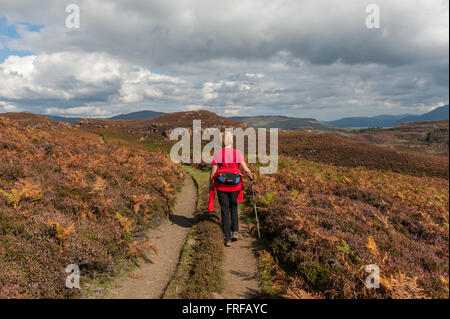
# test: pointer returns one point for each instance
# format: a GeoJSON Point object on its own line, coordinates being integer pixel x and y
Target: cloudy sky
{"type": "Point", "coordinates": [303, 58]}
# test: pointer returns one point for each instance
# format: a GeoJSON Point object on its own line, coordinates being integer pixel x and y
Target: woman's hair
{"type": "Point", "coordinates": [227, 139]}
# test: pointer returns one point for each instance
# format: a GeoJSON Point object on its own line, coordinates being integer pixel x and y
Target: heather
{"type": "Point", "coordinates": [322, 224]}
{"type": "Point", "coordinates": [332, 149]}
{"type": "Point", "coordinates": [68, 198]}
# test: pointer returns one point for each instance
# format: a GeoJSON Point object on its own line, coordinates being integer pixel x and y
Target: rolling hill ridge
{"type": "Point", "coordinates": [288, 123]}
{"type": "Point", "coordinates": [283, 122]}
{"type": "Point", "coordinates": [440, 113]}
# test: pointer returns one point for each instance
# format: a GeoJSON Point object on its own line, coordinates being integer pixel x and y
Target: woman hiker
{"type": "Point", "coordinates": [226, 177]}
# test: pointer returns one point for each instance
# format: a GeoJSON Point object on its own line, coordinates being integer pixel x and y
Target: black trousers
{"type": "Point", "coordinates": [228, 206]}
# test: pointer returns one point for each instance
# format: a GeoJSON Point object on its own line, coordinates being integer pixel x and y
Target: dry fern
{"type": "Point", "coordinates": [62, 233]}
{"type": "Point", "coordinates": [403, 287]}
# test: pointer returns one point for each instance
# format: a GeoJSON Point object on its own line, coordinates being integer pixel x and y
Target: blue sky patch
{"type": "Point", "coordinates": [9, 31]}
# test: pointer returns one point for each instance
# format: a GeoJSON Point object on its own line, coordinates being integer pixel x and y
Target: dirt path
{"type": "Point", "coordinates": [150, 280]}
{"type": "Point", "coordinates": [240, 266]}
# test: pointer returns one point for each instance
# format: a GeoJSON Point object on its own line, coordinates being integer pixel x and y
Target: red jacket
{"type": "Point", "coordinates": [212, 192]}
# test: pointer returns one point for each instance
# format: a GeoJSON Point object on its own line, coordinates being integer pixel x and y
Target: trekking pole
{"type": "Point", "coordinates": [256, 212]}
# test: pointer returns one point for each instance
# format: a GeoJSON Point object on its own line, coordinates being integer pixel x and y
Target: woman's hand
{"type": "Point", "coordinates": [247, 170]}
{"type": "Point", "coordinates": [211, 176]}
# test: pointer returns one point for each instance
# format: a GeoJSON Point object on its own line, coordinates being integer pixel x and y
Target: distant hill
{"type": "Point", "coordinates": [184, 119]}
{"type": "Point", "coordinates": [163, 124]}
{"type": "Point", "coordinates": [143, 115]}
{"type": "Point", "coordinates": [426, 137]}
{"type": "Point", "coordinates": [140, 115]}
{"type": "Point", "coordinates": [376, 121]}
{"type": "Point", "coordinates": [282, 122]}
{"type": "Point", "coordinates": [28, 119]}
{"type": "Point", "coordinates": [25, 116]}
{"type": "Point", "coordinates": [62, 118]}
{"type": "Point", "coordinates": [440, 113]}
{"type": "Point", "coordinates": [287, 123]}
{"type": "Point", "coordinates": [331, 148]}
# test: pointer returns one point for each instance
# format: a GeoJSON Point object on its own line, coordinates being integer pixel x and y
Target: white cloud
{"type": "Point", "coordinates": [9, 107]}
{"type": "Point", "coordinates": [76, 79]}
{"type": "Point", "coordinates": [235, 110]}
{"type": "Point", "coordinates": [236, 86]}
{"type": "Point", "coordinates": [232, 112]}
{"type": "Point", "coordinates": [256, 76]}
{"type": "Point", "coordinates": [193, 107]}
{"type": "Point", "coordinates": [307, 58]}
{"type": "Point", "coordinates": [81, 110]}
{"type": "Point", "coordinates": [180, 31]}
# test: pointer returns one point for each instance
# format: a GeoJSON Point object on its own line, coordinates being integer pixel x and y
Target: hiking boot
{"type": "Point", "coordinates": [227, 243]}
{"type": "Point", "coordinates": [235, 236]}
